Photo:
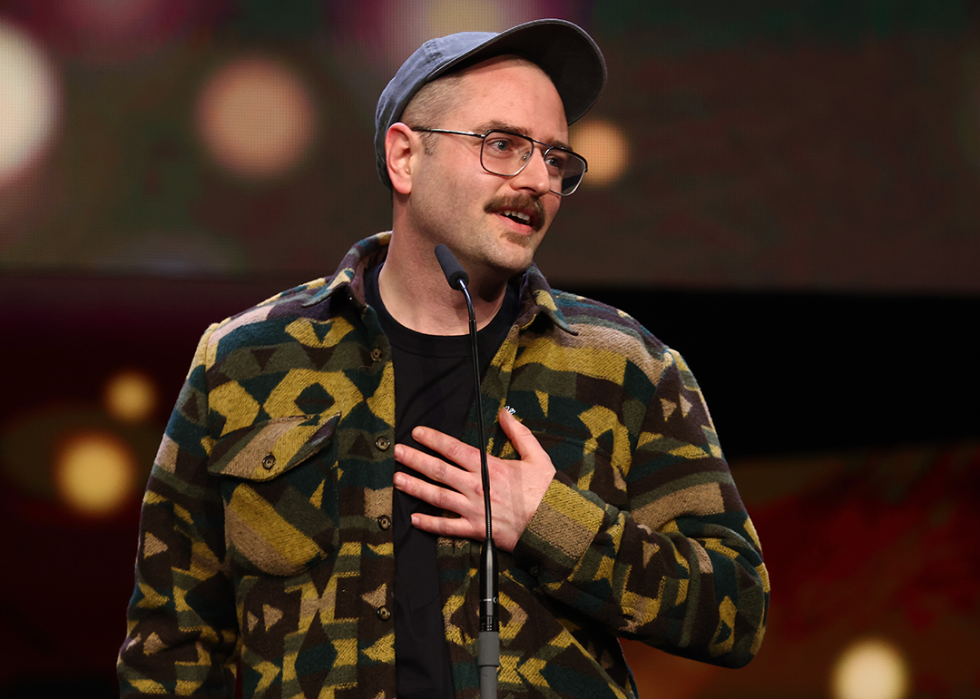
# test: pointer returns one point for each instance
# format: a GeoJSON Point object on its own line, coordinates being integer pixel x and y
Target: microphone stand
{"type": "Point", "coordinates": [488, 642]}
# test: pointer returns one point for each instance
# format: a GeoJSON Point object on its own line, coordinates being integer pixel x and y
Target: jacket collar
{"type": "Point", "coordinates": [536, 295]}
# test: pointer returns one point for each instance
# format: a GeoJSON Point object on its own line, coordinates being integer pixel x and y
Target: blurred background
{"type": "Point", "coordinates": [785, 192]}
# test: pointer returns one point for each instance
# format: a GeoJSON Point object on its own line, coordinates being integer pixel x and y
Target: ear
{"type": "Point", "coordinates": [401, 145]}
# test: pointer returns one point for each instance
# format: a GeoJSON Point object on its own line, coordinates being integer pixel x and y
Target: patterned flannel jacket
{"type": "Point", "coordinates": [266, 538]}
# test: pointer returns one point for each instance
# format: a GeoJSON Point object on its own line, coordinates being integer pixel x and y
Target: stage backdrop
{"type": "Point", "coordinates": [830, 145]}
{"type": "Point", "coordinates": [785, 192]}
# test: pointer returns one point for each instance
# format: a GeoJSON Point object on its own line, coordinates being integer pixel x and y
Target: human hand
{"type": "Point", "coordinates": [516, 486]}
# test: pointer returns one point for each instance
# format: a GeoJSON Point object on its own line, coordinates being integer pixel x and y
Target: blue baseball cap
{"type": "Point", "coordinates": [561, 49]}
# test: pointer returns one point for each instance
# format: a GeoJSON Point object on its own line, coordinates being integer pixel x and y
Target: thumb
{"type": "Point", "coordinates": [521, 437]}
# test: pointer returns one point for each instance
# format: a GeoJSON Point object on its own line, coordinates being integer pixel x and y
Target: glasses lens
{"type": "Point", "coordinates": [505, 153]}
{"type": "Point", "coordinates": [571, 173]}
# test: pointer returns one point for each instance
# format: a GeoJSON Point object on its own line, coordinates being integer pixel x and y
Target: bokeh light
{"type": "Point", "coordinates": [870, 669]}
{"type": "Point", "coordinates": [104, 20]}
{"type": "Point", "coordinates": [94, 473]}
{"type": "Point", "coordinates": [606, 148]}
{"type": "Point", "coordinates": [256, 117]}
{"type": "Point", "coordinates": [29, 102]}
{"type": "Point", "coordinates": [130, 396]}
{"type": "Point", "coordinates": [35, 440]}
{"type": "Point", "coordinates": [115, 31]}
{"type": "Point", "coordinates": [405, 26]}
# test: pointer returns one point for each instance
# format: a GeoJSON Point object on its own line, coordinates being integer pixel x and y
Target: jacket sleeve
{"type": "Point", "coordinates": [678, 564]}
{"type": "Point", "coordinates": [182, 628]}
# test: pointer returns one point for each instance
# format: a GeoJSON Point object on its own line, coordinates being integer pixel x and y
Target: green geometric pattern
{"type": "Point", "coordinates": [263, 532]}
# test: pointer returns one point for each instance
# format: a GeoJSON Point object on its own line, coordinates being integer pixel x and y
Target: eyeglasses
{"type": "Point", "coordinates": [505, 154]}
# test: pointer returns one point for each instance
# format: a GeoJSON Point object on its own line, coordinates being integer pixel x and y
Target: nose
{"type": "Point", "coordinates": [535, 175]}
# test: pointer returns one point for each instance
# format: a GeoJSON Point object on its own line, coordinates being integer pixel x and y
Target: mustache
{"type": "Point", "coordinates": [520, 202]}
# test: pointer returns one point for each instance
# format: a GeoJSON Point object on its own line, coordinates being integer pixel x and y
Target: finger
{"type": "Point", "coordinates": [435, 495]}
{"type": "Point", "coordinates": [431, 466]}
{"type": "Point", "coordinates": [447, 526]}
{"type": "Point", "coordinates": [454, 450]}
{"type": "Point", "coordinates": [521, 437]}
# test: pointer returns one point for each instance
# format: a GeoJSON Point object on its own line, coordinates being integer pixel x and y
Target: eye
{"type": "Point", "coordinates": [501, 145]}
{"type": "Point", "coordinates": [557, 159]}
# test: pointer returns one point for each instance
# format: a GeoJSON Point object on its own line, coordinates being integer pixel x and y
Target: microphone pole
{"type": "Point", "coordinates": [488, 643]}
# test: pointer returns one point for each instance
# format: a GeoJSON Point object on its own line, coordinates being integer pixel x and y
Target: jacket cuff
{"type": "Point", "coordinates": [561, 530]}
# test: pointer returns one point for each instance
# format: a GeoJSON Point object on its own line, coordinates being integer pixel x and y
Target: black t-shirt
{"type": "Point", "coordinates": [434, 387]}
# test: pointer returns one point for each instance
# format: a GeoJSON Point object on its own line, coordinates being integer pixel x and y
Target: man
{"type": "Point", "coordinates": [315, 511]}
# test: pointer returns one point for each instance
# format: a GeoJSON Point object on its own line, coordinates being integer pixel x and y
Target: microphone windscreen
{"type": "Point", "coordinates": [451, 268]}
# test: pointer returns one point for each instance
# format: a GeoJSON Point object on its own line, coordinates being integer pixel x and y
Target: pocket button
{"type": "Point", "coordinates": [269, 461]}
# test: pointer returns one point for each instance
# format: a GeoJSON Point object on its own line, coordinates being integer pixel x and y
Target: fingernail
{"type": "Point", "coordinates": [510, 410]}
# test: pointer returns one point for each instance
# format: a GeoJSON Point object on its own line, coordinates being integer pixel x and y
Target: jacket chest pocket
{"type": "Point", "coordinates": [278, 483]}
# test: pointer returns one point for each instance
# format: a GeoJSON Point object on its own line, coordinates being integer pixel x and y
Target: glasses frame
{"type": "Point", "coordinates": [546, 148]}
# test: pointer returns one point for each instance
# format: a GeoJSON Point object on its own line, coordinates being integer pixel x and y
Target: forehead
{"type": "Point", "coordinates": [513, 91]}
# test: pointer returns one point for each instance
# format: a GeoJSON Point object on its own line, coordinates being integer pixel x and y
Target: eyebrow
{"type": "Point", "coordinates": [504, 126]}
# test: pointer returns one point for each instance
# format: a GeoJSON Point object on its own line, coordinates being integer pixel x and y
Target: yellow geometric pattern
{"type": "Point", "coordinates": [263, 540]}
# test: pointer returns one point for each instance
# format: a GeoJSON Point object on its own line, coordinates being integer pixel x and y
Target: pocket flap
{"type": "Point", "coordinates": [262, 452]}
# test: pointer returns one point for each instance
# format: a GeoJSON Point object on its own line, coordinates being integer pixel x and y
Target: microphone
{"type": "Point", "coordinates": [455, 274]}
{"type": "Point", "coordinates": [488, 643]}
